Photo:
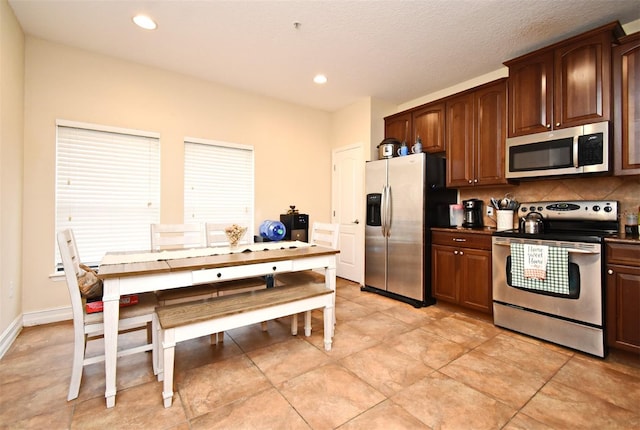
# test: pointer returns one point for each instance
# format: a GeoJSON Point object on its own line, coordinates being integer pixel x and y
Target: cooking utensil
{"type": "Point", "coordinates": [494, 203]}
{"type": "Point", "coordinates": [532, 223]}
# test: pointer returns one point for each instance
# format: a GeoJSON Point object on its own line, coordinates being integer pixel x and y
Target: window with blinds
{"type": "Point", "coordinates": [107, 188]}
{"type": "Point", "coordinates": [219, 183]}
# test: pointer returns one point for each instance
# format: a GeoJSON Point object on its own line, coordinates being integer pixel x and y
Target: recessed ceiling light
{"type": "Point", "coordinates": [145, 22]}
{"type": "Point", "coordinates": [320, 79]}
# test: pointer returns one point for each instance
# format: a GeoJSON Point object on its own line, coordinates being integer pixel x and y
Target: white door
{"type": "Point", "coordinates": [347, 210]}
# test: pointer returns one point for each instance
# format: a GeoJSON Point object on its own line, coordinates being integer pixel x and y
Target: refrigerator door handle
{"type": "Point", "coordinates": [388, 212]}
{"type": "Point", "coordinates": [383, 211]}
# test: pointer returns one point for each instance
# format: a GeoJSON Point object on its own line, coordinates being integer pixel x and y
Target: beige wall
{"type": "Point", "coordinates": [292, 143]}
{"type": "Point", "coordinates": [11, 139]}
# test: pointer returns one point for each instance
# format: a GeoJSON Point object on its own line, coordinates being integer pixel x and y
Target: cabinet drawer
{"type": "Point", "coordinates": [461, 239]}
{"type": "Point", "coordinates": [622, 253]}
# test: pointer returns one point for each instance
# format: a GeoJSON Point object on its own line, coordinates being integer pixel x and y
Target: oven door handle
{"type": "Point", "coordinates": [570, 250]}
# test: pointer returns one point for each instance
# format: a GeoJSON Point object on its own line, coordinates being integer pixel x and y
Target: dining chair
{"type": "Point", "coordinates": [86, 327]}
{"type": "Point", "coordinates": [216, 236]}
{"type": "Point", "coordinates": [180, 236]}
{"type": "Point", "coordinates": [322, 234]}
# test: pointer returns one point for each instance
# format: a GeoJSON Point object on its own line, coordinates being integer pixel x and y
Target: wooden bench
{"type": "Point", "coordinates": [184, 321]}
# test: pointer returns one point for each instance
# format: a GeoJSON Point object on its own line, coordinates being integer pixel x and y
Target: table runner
{"type": "Point", "coordinates": [174, 254]}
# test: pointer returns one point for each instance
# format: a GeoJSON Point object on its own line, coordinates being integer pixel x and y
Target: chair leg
{"type": "Point", "coordinates": [155, 342]}
{"type": "Point", "coordinates": [307, 323]}
{"type": "Point", "coordinates": [216, 337]}
{"type": "Point", "coordinates": [78, 363]}
{"type": "Point", "coordinates": [264, 326]}
{"type": "Point", "coordinates": [294, 324]}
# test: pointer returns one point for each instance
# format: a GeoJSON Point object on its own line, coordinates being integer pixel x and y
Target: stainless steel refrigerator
{"type": "Point", "coordinates": [405, 198]}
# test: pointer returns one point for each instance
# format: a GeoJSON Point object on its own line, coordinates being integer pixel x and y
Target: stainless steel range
{"type": "Point", "coordinates": [549, 284]}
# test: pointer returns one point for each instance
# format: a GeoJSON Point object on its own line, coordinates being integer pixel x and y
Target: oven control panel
{"type": "Point", "coordinates": [575, 210]}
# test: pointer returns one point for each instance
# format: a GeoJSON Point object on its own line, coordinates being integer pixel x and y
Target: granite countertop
{"type": "Point", "coordinates": [623, 238]}
{"type": "Point", "coordinates": [479, 230]}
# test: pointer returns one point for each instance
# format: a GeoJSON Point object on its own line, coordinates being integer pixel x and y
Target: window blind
{"type": "Point", "coordinates": [219, 183]}
{"type": "Point", "coordinates": [107, 188]}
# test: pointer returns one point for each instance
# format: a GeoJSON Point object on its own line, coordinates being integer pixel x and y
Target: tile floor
{"type": "Point", "coordinates": [392, 367]}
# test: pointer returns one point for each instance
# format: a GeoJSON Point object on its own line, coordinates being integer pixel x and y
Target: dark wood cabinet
{"type": "Point", "coordinates": [475, 136]}
{"type": "Point", "coordinates": [398, 126]}
{"type": "Point", "coordinates": [428, 124]}
{"type": "Point", "coordinates": [461, 269]}
{"type": "Point", "coordinates": [563, 85]}
{"type": "Point", "coordinates": [623, 296]}
{"type": "Point", "coordinates": [626, 94]}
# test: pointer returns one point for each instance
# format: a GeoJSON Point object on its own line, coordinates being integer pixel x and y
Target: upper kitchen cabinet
{"type": "Point", "coordinates": [475, 136]}
{"type": "Point", "coordinates": [428, 124]}
{"type": "Point", "coordinates": [626, 95]}
{"type": "Point", "coordinates": [398, 126]}
{"type": "Point", "coordinates": [563, 85]}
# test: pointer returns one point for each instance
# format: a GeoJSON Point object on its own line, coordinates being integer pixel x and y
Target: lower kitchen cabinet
{"type": "Point", "coordinates": [622, 314]}
{"type": "Point", "coordinates": [461, 268]}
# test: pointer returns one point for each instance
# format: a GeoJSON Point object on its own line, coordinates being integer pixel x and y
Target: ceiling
{"type": "Point", "coordinates": [394, 50]}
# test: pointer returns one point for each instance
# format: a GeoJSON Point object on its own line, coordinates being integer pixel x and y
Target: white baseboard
{"type": "Point", "coordinates": [47, 316]}
{"type": "Point", "coordinates": [32, 319]}
{"type": "Point", "coordinates": [10, 334]}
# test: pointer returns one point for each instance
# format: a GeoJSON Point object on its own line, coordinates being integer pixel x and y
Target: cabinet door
{"type": "Point", "coordinates": [491, 129]}
{"type": "Point", "coordinates": [475, 284]}
{"type": "Point", "coordinates": [459, 137]}
{"type": "Point", "coordinates": [623, 301]}
{"type": "Point", "coordinates": [626, 90]}
{"type": "Point", "coordinates": [583, 82]}
{"type": "Point", "coordinates": [398, 126]}
{"type": "Point", "coordinates": [444, 275]}
{"type": "Point", "coordinates": [531, 94]}
{"type": "Point", "coordinates": [428, 124]}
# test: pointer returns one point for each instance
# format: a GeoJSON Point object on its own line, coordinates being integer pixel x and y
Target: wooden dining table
{"type": "Point", "coordinates": [131, 273]}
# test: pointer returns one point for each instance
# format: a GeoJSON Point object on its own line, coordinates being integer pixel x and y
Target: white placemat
{"type": "Point", "coordinates": [144, 257]}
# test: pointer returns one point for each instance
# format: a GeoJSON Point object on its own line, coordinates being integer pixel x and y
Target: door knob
{"type": "Point", "coordinates": [356, 222]}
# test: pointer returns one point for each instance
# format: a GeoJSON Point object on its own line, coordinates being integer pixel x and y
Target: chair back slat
{"type": "Point", "coordinates": [176, 236]}
{"type": "Point", "coordinates": [215, 234]}
{"type": "Point", "coordinates": [325, 234]}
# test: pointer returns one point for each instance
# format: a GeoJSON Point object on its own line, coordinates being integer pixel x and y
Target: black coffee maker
{"type": "Point", "coordinates": [472, 213]}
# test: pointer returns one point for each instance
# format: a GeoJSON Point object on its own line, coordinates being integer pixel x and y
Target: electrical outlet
{"type": "Point", "coordinates": [489, 211]}
{"type": "Point", "coordinates": [11, 289]}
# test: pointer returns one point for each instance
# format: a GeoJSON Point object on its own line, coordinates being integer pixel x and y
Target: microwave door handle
{"type": "Point", "coordinates": [576, 162]}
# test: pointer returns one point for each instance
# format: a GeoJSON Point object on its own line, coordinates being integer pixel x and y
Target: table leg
{"type": "Point", "coordinates": [111, 299]}
{"type": "Point", "coordinates": [330, 282]}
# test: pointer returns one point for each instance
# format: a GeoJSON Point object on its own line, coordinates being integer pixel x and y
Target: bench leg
{"type": "Point", "coordinates": [328, 327]}
{"type": "Point", "coordinates": [169, 347]}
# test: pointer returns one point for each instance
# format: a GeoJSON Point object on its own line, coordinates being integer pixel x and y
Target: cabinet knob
{"type": "Point", "coordinates": [455, 252]}
{"type": "Point", "coordinates": [610, 272]}
{"type": "Point", "coordinates": [461, 252]}
{"type": "Point", "coordinates": [548, 125]}
{"type": "Point", "coordinates": [470, 181]}
{"type": "Point", "coordinates": [557, 124]}
{"type": "Point", "coordinates": [475, 181]}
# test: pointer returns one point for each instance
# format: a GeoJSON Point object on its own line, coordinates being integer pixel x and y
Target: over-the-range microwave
{"type": "Point", "coordinates": [568, 151]}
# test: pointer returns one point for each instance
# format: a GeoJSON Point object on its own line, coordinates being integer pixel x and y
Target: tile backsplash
{"type": "Point", "coordinates": [625, 189]}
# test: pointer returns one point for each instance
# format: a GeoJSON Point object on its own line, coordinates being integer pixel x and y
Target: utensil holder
{"type": "Point", "coordinates": [504, 219]}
